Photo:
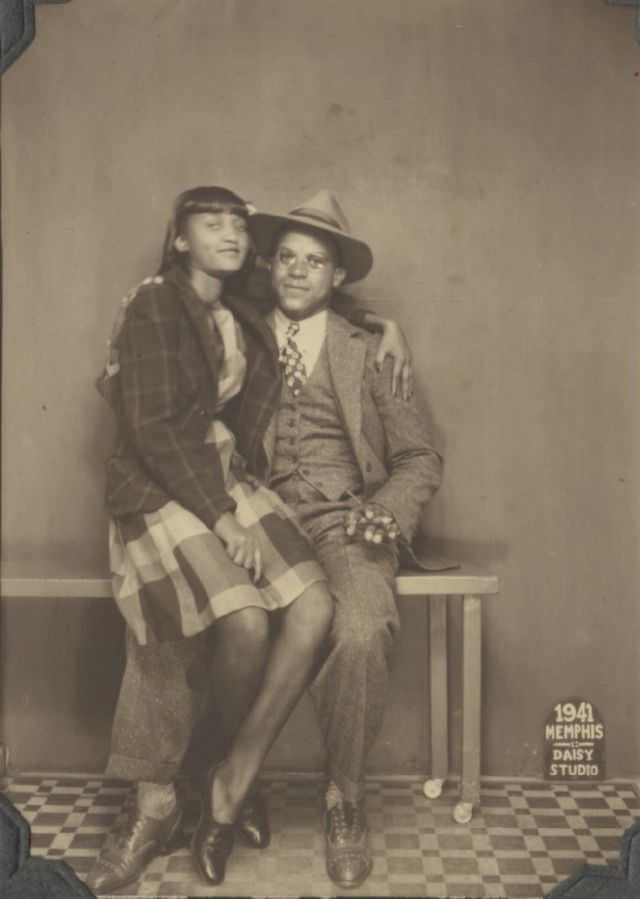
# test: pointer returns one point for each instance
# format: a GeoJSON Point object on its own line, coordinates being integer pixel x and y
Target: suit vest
{"type": "Point", "coordinates": [310, 438]}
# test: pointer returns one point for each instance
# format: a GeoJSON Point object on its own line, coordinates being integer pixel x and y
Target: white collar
{"type": "Point", "coordinates": [309, 338]}
{"type": "Point", "coordinates": [311, 329]}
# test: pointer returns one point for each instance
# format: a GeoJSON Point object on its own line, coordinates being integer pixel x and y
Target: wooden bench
{"type": "Point", "coordinates": [437, 587]}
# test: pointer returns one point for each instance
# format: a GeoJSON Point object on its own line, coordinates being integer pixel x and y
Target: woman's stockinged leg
{"type": "Point", "coordinates": [240, 652]}
{"type": "Point", "coordinates": [304, 626]}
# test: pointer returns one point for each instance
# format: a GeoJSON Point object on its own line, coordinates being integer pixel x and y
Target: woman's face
{"type": "Point", "coordinates": [216, 242]}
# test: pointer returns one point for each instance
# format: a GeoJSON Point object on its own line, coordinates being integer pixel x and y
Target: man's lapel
{"type": "Point", "coordinates": [346, 351]}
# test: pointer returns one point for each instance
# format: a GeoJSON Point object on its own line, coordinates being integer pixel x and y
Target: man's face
{"type": "Point", "coordinates": [304, 273]}
{"type": "Point", "coordinates": [216, 242]}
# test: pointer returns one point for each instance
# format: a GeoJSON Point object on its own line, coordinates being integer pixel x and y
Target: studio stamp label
{"type": "Point", "coordinates": [574, 742]}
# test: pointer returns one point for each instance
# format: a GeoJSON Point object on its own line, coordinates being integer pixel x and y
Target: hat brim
{"type": "Point", "coordinates": [356, 257]}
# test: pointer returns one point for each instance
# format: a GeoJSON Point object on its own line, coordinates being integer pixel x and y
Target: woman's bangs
{"type": "Point", "coordinates": [215, 207]}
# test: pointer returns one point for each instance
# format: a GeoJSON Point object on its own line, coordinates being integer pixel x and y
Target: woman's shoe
{"type": "Point", "coordinates": [253, 823]}
{"type": "Point", "coordinates": [212, 842]}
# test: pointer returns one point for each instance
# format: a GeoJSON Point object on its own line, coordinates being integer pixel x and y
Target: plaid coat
{"type": "Point", "coordinates": [165, 397]}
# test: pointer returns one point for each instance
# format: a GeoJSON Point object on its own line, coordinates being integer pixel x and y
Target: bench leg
{"type": "Point", "coordinates": [439, 712]}
{"type": "Point", "coordinates": [471, 711]}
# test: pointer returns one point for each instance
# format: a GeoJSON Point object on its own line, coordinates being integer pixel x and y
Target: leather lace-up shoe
{"type": "Point", "coordinates": [253, 823]}
{"type": "Point", "coordinates": [130, 848]}
{"type": "Point", "coordinates": [212, 842]}
{"type": "Point", "coordinates": [347, 844]}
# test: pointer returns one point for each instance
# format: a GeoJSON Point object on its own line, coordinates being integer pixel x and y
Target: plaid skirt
{"type": "Point", "coordinates": [172, 577]}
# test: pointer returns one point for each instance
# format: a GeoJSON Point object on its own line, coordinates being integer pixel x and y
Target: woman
{"type": "Point", "coordinates": [203, 561]}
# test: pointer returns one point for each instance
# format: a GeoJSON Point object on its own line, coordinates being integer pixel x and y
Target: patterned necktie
{"type": "Point", "coordinates": [291, 362]}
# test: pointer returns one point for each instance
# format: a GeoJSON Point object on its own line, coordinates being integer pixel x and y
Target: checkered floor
{"type": "Point", "coordinates": [522, 841]}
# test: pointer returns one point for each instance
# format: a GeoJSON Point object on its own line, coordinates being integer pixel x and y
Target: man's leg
{"type": "Point", "coordinates": [157, 707]}
{"type": "Point", "coordinates": [152, 726]}
{"type": "Point", "coordinates": [350, 690]}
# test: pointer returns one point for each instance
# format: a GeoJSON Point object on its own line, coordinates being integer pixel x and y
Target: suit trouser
{"type": "Point", "coordinates": [350, 689]}
{"type": "Point", "coordinates": [162, 697]}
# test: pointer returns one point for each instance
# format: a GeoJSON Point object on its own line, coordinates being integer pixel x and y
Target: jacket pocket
{"type": "Point", "coordinates": [194, 423]}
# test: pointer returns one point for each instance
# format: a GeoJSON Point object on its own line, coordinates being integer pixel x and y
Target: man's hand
{"type": "Point", "coordinates": [393, 344]}
{"type": "Point", "coordinates": [239, 543]}
{"type": "Point", "coordinates": [372, 523]}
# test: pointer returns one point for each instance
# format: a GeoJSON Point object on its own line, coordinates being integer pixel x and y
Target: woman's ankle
{"type": "Point", "coordinates": [229, 791]}
{"type": "Point", "coordinates": [223, 807]}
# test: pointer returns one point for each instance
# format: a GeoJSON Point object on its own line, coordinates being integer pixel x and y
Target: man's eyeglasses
{"type": "Point", "coordinates": [313, 261]}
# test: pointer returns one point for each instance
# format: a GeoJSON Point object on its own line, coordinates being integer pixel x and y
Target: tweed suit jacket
{"type": "Point", "coordinates": [400, 468]}
{"type": "Point", "coordinates": [251, 412]}
{"type": "Point", "coordinates": [165, 399]}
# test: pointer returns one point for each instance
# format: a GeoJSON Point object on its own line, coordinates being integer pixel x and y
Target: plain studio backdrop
{"type": "Point", "coordinates": [488, 152]}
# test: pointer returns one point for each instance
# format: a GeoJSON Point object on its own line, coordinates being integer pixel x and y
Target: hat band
{"type": "Point", "coordinates": [319, 217]}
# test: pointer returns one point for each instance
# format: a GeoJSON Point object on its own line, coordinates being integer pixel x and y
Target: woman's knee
{"type": "Point", "coordinates": [246, 630]}
{"type": "Point", "coordinates": [310, 616]}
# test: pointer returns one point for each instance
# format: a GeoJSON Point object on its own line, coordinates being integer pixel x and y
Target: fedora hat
{"type": "Point", "coordinates": [321, 212]}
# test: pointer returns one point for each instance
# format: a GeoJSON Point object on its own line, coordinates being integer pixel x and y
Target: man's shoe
{"type": "Point", "coordinates": [212, 842]}
{"type": "Point", "coordinates": [253, 823]}
{"type": "Point", "coordinates": [347, 843]}
{"type": "Point", "coordinates": [130, 848]}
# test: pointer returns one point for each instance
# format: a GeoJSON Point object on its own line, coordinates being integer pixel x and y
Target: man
{"type": "Point", "coordinates": [356, 464]}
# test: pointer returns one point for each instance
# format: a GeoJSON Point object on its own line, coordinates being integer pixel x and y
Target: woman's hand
{"type": "Point", "coordinates": [240, 545]}
{"type": "Point", "coordinates": [393, 344]}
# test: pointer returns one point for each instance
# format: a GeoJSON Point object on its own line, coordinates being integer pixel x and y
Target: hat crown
{"type": "Point", "coordinates": [324, 207]}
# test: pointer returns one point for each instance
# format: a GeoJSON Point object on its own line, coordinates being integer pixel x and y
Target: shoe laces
{"type": "Point", "coordinates": [346, 821]}
{"type": "Point", "coordinates": [127, 832]}
{"type": "Point", "coordinates": [340, 823]}
{"type": "Point", "coordinates": [128, 829]}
